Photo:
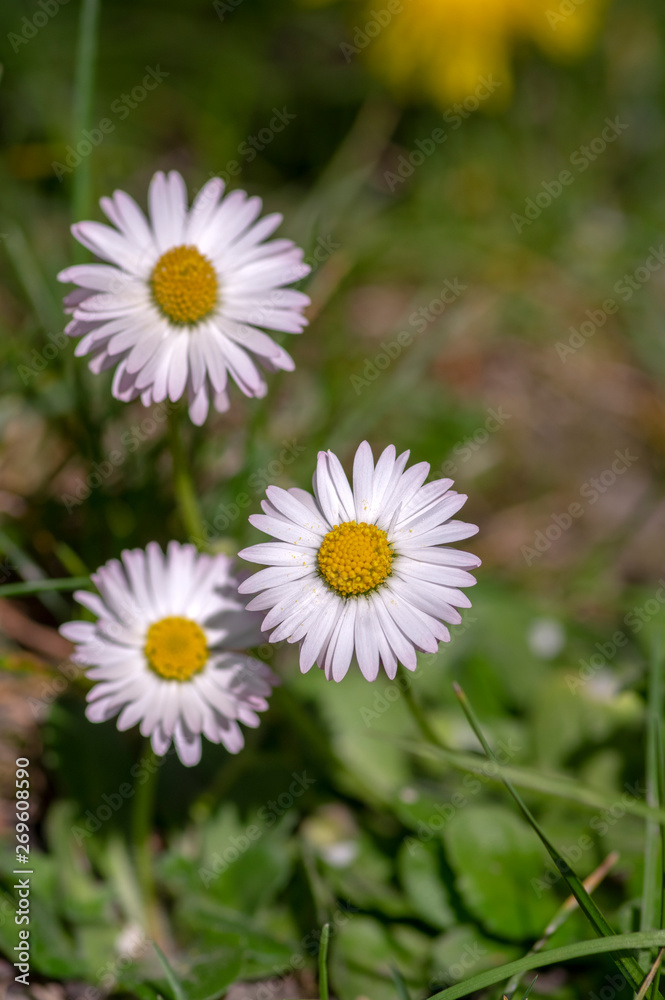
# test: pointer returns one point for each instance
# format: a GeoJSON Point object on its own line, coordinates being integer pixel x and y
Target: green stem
{"type": "Point", "coordinates": [84, 86]}
{"type": "Point", "coordinates": [323, 962]}
{"type": "Point", "coordinates": [418, 714]}
{"type": "Point", "coordinates": [142, 825]}
{"type": "Point", "coordinates": [184, 485]}
{"type": "Point", "coordinates": [39, 586]}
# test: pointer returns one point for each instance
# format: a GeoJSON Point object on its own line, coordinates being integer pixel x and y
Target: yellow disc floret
{"type": "Point", "coordinates": [355, 558]}
{"type": "Point", "coordinates": [176, 648]}
{"type": "Point", "coordinates": [184, 285]}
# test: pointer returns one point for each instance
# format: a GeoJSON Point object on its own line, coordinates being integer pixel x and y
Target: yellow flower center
{"type": "Point", "coordinates": [184, 285]}
{"type": "Point", "coordinates": [176, 648]}
{"type": "Point", "coordinates": [355, 558]}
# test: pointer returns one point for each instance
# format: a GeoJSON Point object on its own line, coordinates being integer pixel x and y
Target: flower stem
{"type": "Point", "coordinates": [418, 714]}
{"type": "Point", "coordinates": [84, 85]}
{"type": "Point", "coordinates": [323, 962]}
{"type": "Point", "coordinates": [183, 484]}
{"type": "Point", "coordinates": [142, 824]}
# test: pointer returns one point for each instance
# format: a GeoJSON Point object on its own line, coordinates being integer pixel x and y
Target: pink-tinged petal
{"type": "Point", "coordinates": [199, 404]}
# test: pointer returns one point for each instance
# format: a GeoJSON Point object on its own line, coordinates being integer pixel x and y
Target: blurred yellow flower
{"type": "Point", "coordinates": [440, 49]}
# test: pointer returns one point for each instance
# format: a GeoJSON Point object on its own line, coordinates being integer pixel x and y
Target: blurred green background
{"type": "Point", "coordinates": [459, 309]}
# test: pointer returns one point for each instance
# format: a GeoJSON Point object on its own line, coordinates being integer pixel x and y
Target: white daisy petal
{"type": "Point", "coordinates": [188, 745]}
{"type": "Point", "coordinates": [360, 571]}
{"type": "Point", "coordinates": [160, 742]}
{"type": "Point", "coordinates": [366, 646]}
{"type": "Point", "coordinates": [163, 651]}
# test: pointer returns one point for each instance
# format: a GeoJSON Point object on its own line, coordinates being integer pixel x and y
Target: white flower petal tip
{"type": "Point", "coordinates": [362, 572]}
{"type": "Point", "coordinates": [184, 296]}
{"type": "Point", "coordinates": [165, 651]}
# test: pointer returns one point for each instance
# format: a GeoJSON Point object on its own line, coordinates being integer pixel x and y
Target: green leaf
{"type": "Point", "coordinates": [365, 953]}
{"type": "Point", "coordinates": [420, 873]}
{"type": "Point", "coordinates": [212, 927]}
{"type": "Point", "coordinates": [366, 881]}
{"type": "Point", "coordinates": [463, 950]}
{"type": "Point", "coordinates": [53, 949]}
{"type": "Point", "coordinates": [244, 865]}
{"type": "Point", "coordinates": [582, 949]}
{"type": "Point", "coordinates": [83, 899]}
{"type": "Point", "coordinates": [354, 713]}
{"type": "Point", "coordinates": [210, 975]}
{"type": "Point", "coordinates": [495, 857]}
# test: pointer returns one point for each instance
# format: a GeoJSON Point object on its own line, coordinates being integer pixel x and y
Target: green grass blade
{"type": "Point", "coordinates": [323, 962]}
{"type": "Point", "coordinates": [400, 986]}
{"type": "Point", "coordinates": [569, 952]}
{"type": "Point", "coordinates": [628, 966]}
{"type": "Point", "coordinates": [567, 907]}
{"type": "Point", "coordinates": [32, 573]}
{"type": "Point", "coordinates": [660, 768]}
{"type": "Point", "coordinates": [545, 784]}
{"type": "Point", "coordinates": [171, 978]}
{"type": "Point", "coordinates": [531, 986]}
{"type": "Point", "coordinates": [42, 586]}
{"type": "Point", "coordinates": [652, 891]}
{"type": "Point", "coordinates": [46, 308]}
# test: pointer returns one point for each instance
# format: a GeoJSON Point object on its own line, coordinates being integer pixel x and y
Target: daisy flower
{"type": "Point", "coordinates": [164, 650]}
{"type": "Point", "coordinates": [178, 306]}
{"type": "Point", "coordinates": [362, 569]}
